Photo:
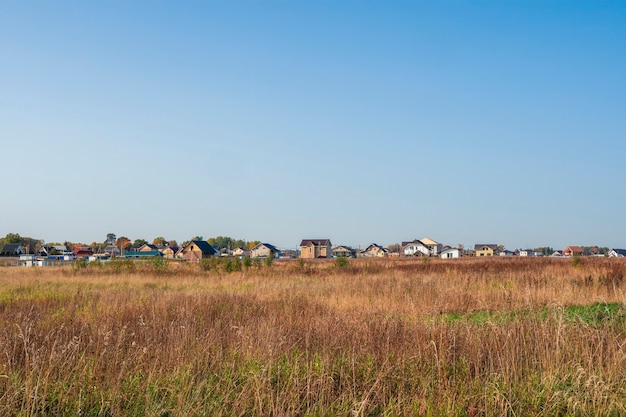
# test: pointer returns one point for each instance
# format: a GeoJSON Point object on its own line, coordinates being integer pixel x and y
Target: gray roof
{"type": "Point", "coordinates": [316, 242]}
{"type": "Point", "coordinates": [271, 247]}
{"type": "Point", "coordinates": [414, 241]}
{"type": "Point", "coordinates": [205, 248]}
{"type": "Point", "coordinates": [11, 249]}
{"type": "Point", "coordinates": [489, 245]}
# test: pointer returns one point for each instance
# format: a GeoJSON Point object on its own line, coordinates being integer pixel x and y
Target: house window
{"type": "Point", "coordinates": [310, 251]}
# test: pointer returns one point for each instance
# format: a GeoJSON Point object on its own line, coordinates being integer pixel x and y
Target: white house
{"type": "Point", "coordinates": [617, 253]}
{"type": "Point", "coordinates": [434, 247]}
{"type": "Point", "coordinates": [415, 248]}
{"type": "Point", "coordinates": [526, 252]}
{"type": "Point", "coordinates": [452, 253]}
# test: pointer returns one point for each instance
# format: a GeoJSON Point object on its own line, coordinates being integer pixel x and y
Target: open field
{"type": "Point", "coordinates": [468, 337]}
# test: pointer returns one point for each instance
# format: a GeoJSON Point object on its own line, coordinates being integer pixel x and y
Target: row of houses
{"type": "Point", "coordinates": [196, 250]}
{"type": "Point", "coordinates": [322, 248]}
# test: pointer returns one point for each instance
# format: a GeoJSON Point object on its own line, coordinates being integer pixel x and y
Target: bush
{"type": "Point", "coordinates": [342, 262]}
{"type": "Point", "coordinates": [159, 265]}
{"type": "Point", "coordinates": [80, 264]}
{"type": "Point", "coordinates": [232, 264]}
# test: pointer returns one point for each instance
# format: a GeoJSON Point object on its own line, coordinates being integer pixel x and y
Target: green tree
{"type": "Point", "coordinates": [13, 238]}
{"type": "Point", "coordinates": [159, 241]}
{"type": "Point", "coordinates": [139, 242]}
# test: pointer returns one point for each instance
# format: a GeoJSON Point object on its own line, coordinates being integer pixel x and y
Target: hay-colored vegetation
{"type": "Point", "coordinates": [519, 337]}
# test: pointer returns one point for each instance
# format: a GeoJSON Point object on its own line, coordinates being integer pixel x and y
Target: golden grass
{"type": "Point", "coordinates": [379, 337]}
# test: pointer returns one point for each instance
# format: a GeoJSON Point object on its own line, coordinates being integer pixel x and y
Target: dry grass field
{"type": "Point", "coordinates": [471, 337]}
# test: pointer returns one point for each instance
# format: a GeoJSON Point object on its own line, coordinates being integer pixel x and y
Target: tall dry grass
{"type": "Point", "coordinates": [379, 337]}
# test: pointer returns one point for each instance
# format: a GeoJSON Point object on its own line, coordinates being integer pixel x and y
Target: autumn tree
{"type": "Point", "coordinates": [123, 243]}
{"type": "Point", "coordinates": [394, 247]}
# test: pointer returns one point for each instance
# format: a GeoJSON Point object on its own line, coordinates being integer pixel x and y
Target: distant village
{"type": "Point", "coordinates": [17, 250]}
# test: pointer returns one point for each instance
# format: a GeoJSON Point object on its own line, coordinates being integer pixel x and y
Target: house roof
{"type": "Point", "coordinates": [82, 249]}
{"type": "Point", "coordinates": [620, 251]}
{"type": "Point", "coordinates": [173, 248]}
{"type": "Point", "coordinates": [416, 241]}
{"type": "Point", "coordinates": [204, 247]}
{"type": "Point", "coordinates": [489, 245]}
{"type": "Point", "coordinates": [316, 242]}
{"type": "Point", "coordinates": [145, 253]}
{"type": "Point", "coordinates": [451, 250]}
{"type": "Point", "coordinates": [574, 248]}
{"type": "Point", "coordinates": [267, 245]}
{"type": "Point", "coordinates": [11, 248]}
{"type": "Point", "coordinates": [374, 245]}
{"type": "Point", "coordinates": [343, 248]}
{"type": "Point", "coordinates": [149, 245]}
{"type": "Point", "coordinates": [428, 241]}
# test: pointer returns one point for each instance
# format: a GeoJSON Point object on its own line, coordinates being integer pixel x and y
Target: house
{"type": "Point", "coordinates": [264, 250]}
{"type": "Point", "coordinates": [526, 252]}
{"type": "Point", "coordinates": [374, 251]}
{"type": "Point", "coordinates": [343, 252]}
{"type": "Point", "coordinates": [556, 254]}
{"type": "Point", "coordinates": [483, 249]}
{"type": "Point", "coordinates": [434, 247]}
{"type": "Point", "coordinates": [12, 249]}
{"type": "Point", "coordinates": [315, 248]}
{"type": "Point", "coordinates": [196, 250]}
{"type": "Point", "coordinates": [415, 248]}
{"type": "Point", "coordinates": [573, 251]}
{"type": "Point", "coordinates": [56, 249]}
{"type": "Point", "coordinates": [289, 254]}
{"type": "Point", "coordinates": [169, 251]}
{"type": "Point", "coordinates": [617, 253]}
{"type": "Point", "coordinates": [240, 252]}
{"type": "Point", "coordinates": [506, 253]}
{"type": "Point", "coordinates": [450, 253]}
{"type": "Point", "coordinates": [112, 250]}
{"type": "Point", "coordinates": [82, 252]}
{"type": "Point", "coordinates": [147, 247]}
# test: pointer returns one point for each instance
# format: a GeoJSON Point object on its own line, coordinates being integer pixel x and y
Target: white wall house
{"type": "Point", "coordinates": [452, 253]}
{"type": "Point", "coordinates": [617, 253]}
{"type": "Point", "coordinates": [415, 248]}
{"type": "Point", "coordinates": [434, 247]}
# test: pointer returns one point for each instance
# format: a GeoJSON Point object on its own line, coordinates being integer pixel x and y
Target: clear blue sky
{"type": "Point", "coordinates": [359, 121]}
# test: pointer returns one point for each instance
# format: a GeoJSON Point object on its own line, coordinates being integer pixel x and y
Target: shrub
{"type": "Point", "coordinates": [342, 262]}
{"type": "Point", "coordinates": [159, 265]}
{"type": "Point", "coordinates": [80, 264]}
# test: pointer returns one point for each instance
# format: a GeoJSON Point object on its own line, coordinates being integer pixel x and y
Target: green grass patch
{"type": "Point", "coordinates": [594, 315]}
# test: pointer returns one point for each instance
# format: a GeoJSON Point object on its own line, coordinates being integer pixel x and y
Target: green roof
{"type": "Point", "coordinates": [144, 254]}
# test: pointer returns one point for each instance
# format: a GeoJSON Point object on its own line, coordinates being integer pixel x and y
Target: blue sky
{"type": "Point", "coordinates": [358, 121]}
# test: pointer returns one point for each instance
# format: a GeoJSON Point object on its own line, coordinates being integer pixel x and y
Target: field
{"type": "Point", "coordinates": [518, 337]}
